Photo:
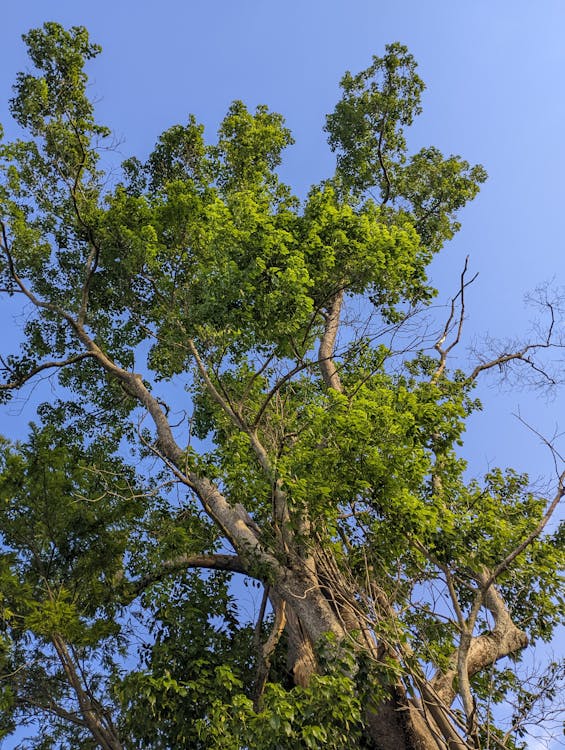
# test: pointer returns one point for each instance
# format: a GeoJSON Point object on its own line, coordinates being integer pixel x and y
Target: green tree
{"type": "Point", "coordinates": [316, 443]}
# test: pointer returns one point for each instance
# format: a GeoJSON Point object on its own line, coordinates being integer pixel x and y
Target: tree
{"type": "Point", "coordinates": [317, 442]}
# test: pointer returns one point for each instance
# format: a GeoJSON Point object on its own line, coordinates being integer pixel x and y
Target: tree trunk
{"type": "Point", "coordinates": [326, 604]}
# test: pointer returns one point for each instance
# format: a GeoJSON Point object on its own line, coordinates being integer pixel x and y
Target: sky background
{"type": "Point", "coordinates": [495, 73]}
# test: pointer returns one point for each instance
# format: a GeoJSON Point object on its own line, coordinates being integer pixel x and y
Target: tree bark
{"type": "Point", "coordinates": [327, 343]}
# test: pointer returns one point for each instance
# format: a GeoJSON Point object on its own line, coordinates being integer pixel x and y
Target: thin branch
{"type": "Point", "coordinates": [213, 391]}
{"type": "Point", "coordinates": [444, 351]}
{"type": "Point", "coordinates": [260, 617]}
{"type": "Point", "coordinates": [257, 374]}
{"type": "Point", "coordinates": [105, 737]}
{"type": "Point", "coordinates": [267, 651]}
{"type": "Point", "coordinates": [465, 642]}
{"type": "Point", "coordinates": [52, 708]}
{"type": "Point", "coordinates": [505, 638]}
{"type": "Point", "coordinates": [381, 161]}
{"type": "Point", "coordinates": [515, 356]}
{"type": "Point", "coordinates": [23, 288]}
{"type": "Point", "coordinates": [55, 364]}
{"type": "Point", "coordinates": [94, 255]}
{"type": "Point", "coordinates": [236, 418]}
{"type": "Point", "coordinates": [501, 567]}
{"type": "Point", "coordinates": [522, 354]}
{"type": "Point", "coordinates": [274, 390]}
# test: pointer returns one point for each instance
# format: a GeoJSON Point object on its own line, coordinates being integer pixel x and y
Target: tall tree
{"type": "Point", "coordinates": [317, 439]}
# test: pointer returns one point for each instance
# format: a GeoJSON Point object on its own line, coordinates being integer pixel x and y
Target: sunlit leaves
{"type": "Point", "coordinates": [200, 267]}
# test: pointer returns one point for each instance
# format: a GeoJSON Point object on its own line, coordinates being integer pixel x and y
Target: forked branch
{"type": "Point", "coordinates": [526, 353]}
{"type": "Point", "coordinates": [442, 348]}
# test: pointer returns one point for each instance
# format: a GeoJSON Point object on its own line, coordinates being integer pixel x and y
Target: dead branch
{"type": "Point", "coordinates": [442, 350]}
{"type": "Point", "coordinates": [525, 353]}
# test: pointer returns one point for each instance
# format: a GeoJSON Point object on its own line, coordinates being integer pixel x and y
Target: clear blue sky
{"type": "Point", "coordinates": [495, 73]}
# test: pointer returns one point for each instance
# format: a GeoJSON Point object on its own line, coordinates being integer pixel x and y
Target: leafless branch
{"type": "Point", "coordinates": [53, 708]}
{"type": "Point", "coordinates": [442, 349]}
{"type": "Point", "coordinates": [525, 353]}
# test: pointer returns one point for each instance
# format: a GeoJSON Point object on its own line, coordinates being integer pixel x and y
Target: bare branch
{"type": "Point", "coordinates": [518, 356]}
{"type": "Point", "coordinates": [53, 708]}
{"type": "Point", "coordinates": [442, 350]}
{"type": "Point", "coordinates": [525, 353]}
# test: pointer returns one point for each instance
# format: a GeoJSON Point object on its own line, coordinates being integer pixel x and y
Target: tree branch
{"type": "Point", "coordinates": [444, 351]}
{"type": "Point", "coordinates": [264, 658]}
{"type": "Point", "coordinates": [104, 736]}
{"type": "Point", "coordinates": [215, 504]}
{"type": "Point", "coordinates": [504, 639]}
{"type": "Point", "coordinates": [327, 343]}
{"type": "Point", "coordinates": [55, 364]}
{"type": "Point", "coordinates": [523, 354]}
{"type": "Point", "coordinates": [54, 709]}
{"type": "Point", "coordinates": [502, 566]}
{"type": "Point", "coordinates": [231, 563]}
{"type": "Point", "coordinates": [279, 496]}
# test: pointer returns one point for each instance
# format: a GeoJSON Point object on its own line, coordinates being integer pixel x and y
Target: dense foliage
{"type": "Point", "coordinates": [249, 417]}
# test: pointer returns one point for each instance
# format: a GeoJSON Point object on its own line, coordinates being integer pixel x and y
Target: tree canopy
{"type": "Point", "coordinates": [249, 390]}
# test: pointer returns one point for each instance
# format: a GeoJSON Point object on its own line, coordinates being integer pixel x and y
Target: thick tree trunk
{"type": "Point", "coordinates": [301, 657]}
{"type": "Point", "coordinates": [327, 604]}
{"type": "Point", "coordinates": [403, 723]}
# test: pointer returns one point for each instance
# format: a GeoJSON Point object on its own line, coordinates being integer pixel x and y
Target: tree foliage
{"type": "Point", "coordinates": [315, 451]}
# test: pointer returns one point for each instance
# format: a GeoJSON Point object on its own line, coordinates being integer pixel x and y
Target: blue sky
{"type": "Point", "coordinates": [495, 74]}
